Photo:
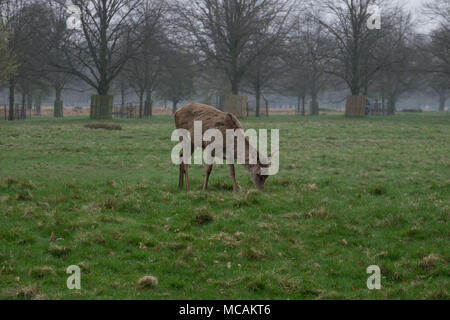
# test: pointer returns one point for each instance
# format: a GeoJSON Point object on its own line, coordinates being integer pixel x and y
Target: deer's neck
{"type": "Point", "coordinates": [249, 165]}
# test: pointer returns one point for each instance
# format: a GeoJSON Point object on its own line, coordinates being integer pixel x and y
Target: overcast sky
{"type": "Point", "coordinates": [415, 3]}
{"type": "Point", "coordinates": [415, 6]}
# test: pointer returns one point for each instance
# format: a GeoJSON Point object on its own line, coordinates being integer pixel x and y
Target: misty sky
{"type": "Point", "coordinates": [415, 6]}
{"type": "Point", "coordinates": [415, 3]}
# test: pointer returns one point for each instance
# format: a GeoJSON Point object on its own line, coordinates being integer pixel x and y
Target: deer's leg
{"type": "Point", "coordinates": [236, 186]}
{"type": "Point", "coordinates": [208, 172]}
{"type": "Point", "coordinates": [181, 179]}
{"type": "Point", "coordinates": [185, 168]}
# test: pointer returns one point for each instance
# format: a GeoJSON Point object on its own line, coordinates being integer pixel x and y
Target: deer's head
{"type": "Point", "coordinates": [258, 178]}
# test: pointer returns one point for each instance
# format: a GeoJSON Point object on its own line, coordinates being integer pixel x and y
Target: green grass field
{"type": "Point", "coordinates": [350, 193]}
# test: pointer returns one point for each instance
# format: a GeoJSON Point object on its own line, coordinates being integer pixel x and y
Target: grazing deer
{"type": "Point", "coordinates": [215, 119]}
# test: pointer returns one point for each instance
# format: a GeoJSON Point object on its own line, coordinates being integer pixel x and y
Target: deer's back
{"type": "Point", "coordinates": [211, 118]}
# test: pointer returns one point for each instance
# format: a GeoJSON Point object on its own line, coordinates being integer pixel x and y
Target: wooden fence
{"type": "Point", "coordinates": [20, 112]}
{"type": "Point", "coordinates": [377, 110]}
{"type": "Point", "coordinates": [129, 111]}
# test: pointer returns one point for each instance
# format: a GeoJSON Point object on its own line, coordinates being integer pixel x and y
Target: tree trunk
{"type": "Point", "coordinates": [355, 88]}
{"type": "Point", "coordinates": [29, 101]}
{"type": "Point", "coordinates": [174, 106]}
{"type": "Point", "coordinates": [58, 105]}
{"type": "Point", "coordinates": [58, 109]}
{"type": "Point", "coordinates": [303, 105]}
{"type": "Point", "coordinates": [101, 106]}
{"type": "Point", "coordinates": [148, 108]}
{"type": "Point", "coordinates": [122, 97]}
{"type": "Point", "coordinates": [23, 111]}
{"type": "Point", "coordinates": [235, 84]}
{"type": "Point", "coordinates": [12, 89]}
{"type": "Point", "coordinates": [267, 106]}
{"type": "Point", "coordinates": [391, 106]}
{"type": "Point", "coordinates": [258, 100]}
{"type": "Point", "coordinates": [38, 104]}
{"type": "Point", "coordinates": [314, 105]}
{"type": "Point", "coordinates": [366, 88]}
{"type": "Point", "coordinates": [141, 105]}
{"type": "Point", "coordinates": [442, 99]}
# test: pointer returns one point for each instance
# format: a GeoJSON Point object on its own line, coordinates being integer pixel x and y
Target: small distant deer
{"type": "Point", "coordinates": [215, 119]}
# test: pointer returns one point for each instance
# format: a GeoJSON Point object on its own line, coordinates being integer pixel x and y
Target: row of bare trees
{"type": "Point", "coordinates": [174, 49]}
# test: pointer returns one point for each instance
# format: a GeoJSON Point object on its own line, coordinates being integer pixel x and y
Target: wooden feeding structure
{"type": "Point", "coordinates": [356, 106]}
{"type": "Point", "coordinates": [236, 105]}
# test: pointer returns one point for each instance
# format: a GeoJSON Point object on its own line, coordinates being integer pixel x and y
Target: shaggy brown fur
{"type": "Point", "coordinates": [215, 119]}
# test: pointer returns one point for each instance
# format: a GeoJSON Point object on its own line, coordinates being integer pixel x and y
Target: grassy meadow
{"type": "Point", "coordinates": [350, 193]}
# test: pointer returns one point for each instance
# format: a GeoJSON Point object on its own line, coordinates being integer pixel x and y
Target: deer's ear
{"type": "Point", "coordinates": [268, 160]}
{"type": "Point", "coordinates": [270, 156]}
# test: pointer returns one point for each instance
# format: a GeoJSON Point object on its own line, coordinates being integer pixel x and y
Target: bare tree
{"type": "Point", "coordinates": [177, 78]}
{"type": "Point", "coordinates": [15, 21]}
{"type": "Point", "coordinates": [308, 56]}
{"type": "Point", "coordinates": [144, 67]}
{"type": "Point", "coordinates": [224, 31]}
{"type": "Point", "coordinates": [264, 72]}
{"type": "Point", "coordinates": [441, 85]}
{"type": "Point", "coordinates": [439, 11]}
{"type": "Point", "coordinates": [57, 40]}
{"type": "Point", "coordinates": [395, 52]}
{"type": "Point", "coordinates": [346, 21]}
{"type": "Point", "coordinates": [142, 72]}
{"type": "Point", "coordinates": [439, 46]}
{"type": "Point", "coordinates": [101, 47]}
{"type": "Point", "coordinates": [32, 73]}
{"type": "Point", "coordinates": [295, 80]}
{"type": "Point", "coordinates": [7, 61]}
{"type": "Point", "coordinates": [317, 56]}
{"type": "Point", "coordinates": [436, 49]}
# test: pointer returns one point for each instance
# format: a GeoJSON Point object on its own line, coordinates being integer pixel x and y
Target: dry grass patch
{"type": "Point", "coordinates": [105, 126]}
{"type": "Point", "coordinates": [40, 272]}
{"type": "Point", "coordinates": [203, 216]}
{"type": "Point", "coordinates": [30, 292]}
{"type": "Point", "coordinates": [58, 251]}
{"type": "Point", "coordinates": [429, 261]}
{"type": "Point", "coordinates": [318, 213]}
{"type": "Point", "coordinates": [148, 282]}
{"type": "Point", "coordinates": [253, 254]}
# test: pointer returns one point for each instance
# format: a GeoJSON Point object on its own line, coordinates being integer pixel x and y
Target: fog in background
{"type": "Point", "coordinates": [331, 96]}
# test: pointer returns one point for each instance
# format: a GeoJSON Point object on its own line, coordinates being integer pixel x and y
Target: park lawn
{"type": "Point", "coordinates": [350, 193]}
